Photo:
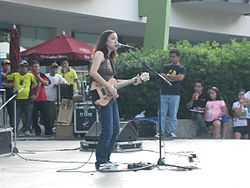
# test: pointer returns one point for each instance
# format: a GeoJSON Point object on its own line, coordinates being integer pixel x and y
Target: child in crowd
{"type": "Point", "coordinates": [216, 113]}
{"type": "Point", "coordinates": [240, 119]}
{"type": "Point", "coordinates": [197, 106]}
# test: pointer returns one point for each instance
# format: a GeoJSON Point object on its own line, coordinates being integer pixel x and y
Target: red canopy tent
{"type": "Point", "coordinates": [60, 48]}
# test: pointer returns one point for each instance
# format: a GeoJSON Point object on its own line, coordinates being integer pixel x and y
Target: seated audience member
{"type": "Point", "coordinates": [216, 114]}
{"type": "Point", "coordinates": [197, 106]}
{"type": "Point", "coordinates": [239, 120]}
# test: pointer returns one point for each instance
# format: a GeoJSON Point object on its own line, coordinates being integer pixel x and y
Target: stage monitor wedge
{"type": "Point", "coordinates": [127, 132]}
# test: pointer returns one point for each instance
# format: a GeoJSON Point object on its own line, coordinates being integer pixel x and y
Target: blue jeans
{"type": "Point", "coordinates": [169, 109]}
{"type": "Point", "coordinates": [24, 108]}
{"type": "Point", "coordinates": [110, 122]}
{"type": "Point", "coordinates": [199, 122]}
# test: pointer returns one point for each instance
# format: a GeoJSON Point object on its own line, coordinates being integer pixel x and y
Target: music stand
{"type": "Point", "coordinates": [161, 161]}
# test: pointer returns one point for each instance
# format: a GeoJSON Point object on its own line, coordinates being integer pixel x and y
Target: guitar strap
{"type": "Point", "coordinates": [113, 67]}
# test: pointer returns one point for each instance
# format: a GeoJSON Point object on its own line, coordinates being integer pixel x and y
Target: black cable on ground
{"type": "Point", "coordinates": [49, 161]}
{"type": "Point", "coordinates": [40, 151]}
{"type": "Point", "coordinates": [76, 169]}
{"type": "Point", "coordinates": [62, 170]}
{"type": "Point", "coordinates": [5, 156]}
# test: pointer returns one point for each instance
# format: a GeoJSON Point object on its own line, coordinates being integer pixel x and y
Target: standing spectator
{"type": "Point", "coordinates": [8, 86]}
{"type": "Point", "coordinates": [23, 82]}
{"type": "Point", "coordinates": [247, 103]}
{"type": "Point", "coordinates": [170, 96]}
{"type": "Point", "coordinates": [216, 113]}
{"type": "Point", "coordinates": [69, 74]}
{"type": "Point", "coordinates": [197, 107]}
{"type": "Point", "coordinates": [39, 99]}
{"type": "Point", "coordinates": [51, 90]}
{"type": "Point", "coordinates": [239, 120]}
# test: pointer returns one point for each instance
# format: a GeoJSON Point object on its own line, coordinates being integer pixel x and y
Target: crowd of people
{"type": "Point", "coordinates": [36, 94]}
{"type": "Point", "coordinates": [209, 112]}
{"type": "Point", "coordinates": [211, 115]}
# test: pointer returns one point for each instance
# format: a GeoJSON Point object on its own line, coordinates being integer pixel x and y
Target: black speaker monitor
{"type": "Point", "coordinates": [127, 132]}
{"type": "Point", "coordinates": [84, 117]}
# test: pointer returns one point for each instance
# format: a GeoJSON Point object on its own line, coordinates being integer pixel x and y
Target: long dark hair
{"type": "Point", "coordinates": [102, 46]}
{"type": "Point", "coordinates": [217, 91]}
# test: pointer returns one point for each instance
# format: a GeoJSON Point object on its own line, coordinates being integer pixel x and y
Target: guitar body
{"type": "Point", "coordinates": [100, 94]}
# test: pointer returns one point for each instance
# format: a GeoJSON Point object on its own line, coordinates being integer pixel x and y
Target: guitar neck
{"type": "Point", "coordinates": [124, 83]}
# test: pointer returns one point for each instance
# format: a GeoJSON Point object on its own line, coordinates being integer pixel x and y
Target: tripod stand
{"type": "Point", "coordinates": [13, 97]}
{"type": "Point", "coordinates": [161, 160]}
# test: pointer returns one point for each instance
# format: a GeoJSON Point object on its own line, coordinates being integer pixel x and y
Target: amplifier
{"type": "Point", "coordinates": [5, 140]}
{"type": "Point", "coordinates": [84, 117]}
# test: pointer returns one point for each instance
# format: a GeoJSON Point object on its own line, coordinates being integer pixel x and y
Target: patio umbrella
{"type": "Point", "coordinates": [60, 48]}
{"type": "Point", "coordinates": [14, 48]}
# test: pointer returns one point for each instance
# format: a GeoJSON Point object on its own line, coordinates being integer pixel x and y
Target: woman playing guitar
{"type": "Point", "coordinates": [102, 71]}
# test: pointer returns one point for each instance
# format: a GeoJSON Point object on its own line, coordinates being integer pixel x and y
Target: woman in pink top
{"type": "Point", "coordinates": [216, 113]}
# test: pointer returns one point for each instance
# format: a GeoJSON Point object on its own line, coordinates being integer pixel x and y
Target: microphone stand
{"type": "Point", "coordinates": [161, 160]}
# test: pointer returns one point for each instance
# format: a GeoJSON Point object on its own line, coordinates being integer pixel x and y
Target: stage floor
{"type": "Point", "coordinates": [223, 163]}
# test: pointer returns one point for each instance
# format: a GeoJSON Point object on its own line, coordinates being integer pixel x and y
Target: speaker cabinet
{"type": "Point", "coordinates": [127, 132]}
{"type": "Point", "coordinates": [5, 140]}
{"type": "Point", "coordinates": [84, 117]}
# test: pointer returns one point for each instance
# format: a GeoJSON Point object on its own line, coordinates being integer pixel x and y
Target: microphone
{"type": "Point", "coordinates": [120, 45]}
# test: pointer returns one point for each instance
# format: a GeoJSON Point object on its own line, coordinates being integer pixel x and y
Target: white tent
{"type": "Point", "coordinates": [4, 49]}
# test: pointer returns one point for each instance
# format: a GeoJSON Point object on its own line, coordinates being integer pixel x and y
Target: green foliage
{"type": "Point", "coordinates": [225, 66]}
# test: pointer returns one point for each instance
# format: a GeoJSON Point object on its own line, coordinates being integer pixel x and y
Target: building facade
{"type": "Point", "coordinates": [194, 20]}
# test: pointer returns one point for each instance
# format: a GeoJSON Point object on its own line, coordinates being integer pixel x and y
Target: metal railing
{"type": "Point", "coordinates": [3, 112]}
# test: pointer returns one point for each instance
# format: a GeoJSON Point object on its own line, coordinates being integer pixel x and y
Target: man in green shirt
{"type": "Point", "coordinates": [23, 82]}
{"type": "Point", "coordinates": [70, 76]}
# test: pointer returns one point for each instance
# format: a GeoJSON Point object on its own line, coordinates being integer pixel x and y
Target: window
{"type": "Point", "coordinates": [85, 37]}
{"type": "Point", "coordinates": [31, 36]}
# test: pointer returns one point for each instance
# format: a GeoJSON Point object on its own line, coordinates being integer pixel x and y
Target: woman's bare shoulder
{"type": "Point", "coordinates": [99, 54]}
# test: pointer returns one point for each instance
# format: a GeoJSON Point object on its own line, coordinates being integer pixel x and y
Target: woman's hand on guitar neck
{"type": "Point", "coordinates": [112, 91]}
{"type": "Point", "coordinates": [137, 80]}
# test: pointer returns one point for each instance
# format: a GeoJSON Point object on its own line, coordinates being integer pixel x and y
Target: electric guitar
{"type": "Point", "coordinates": [101, 96]}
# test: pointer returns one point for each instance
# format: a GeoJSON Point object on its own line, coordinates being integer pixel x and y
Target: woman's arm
{"type": "Point", "coordinates": [96, 62]}
{"type": "Point", "coordinates": [236, 112]}
{"type": "Point", "coordinates": [206, 113]}
{"type": "Point", "coordinates": [224, 109]}
{"type": "Point", "coordinates": [189, 105]}
{"type": "Point", "coordinates": [135, 81]}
